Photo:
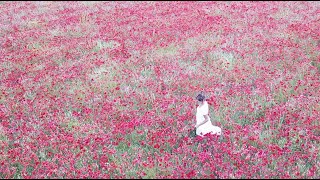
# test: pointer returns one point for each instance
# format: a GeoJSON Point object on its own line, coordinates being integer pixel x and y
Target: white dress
{"type": "Point", "coordinates": [207, 127]}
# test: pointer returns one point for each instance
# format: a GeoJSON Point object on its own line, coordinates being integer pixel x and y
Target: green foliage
{"type": "Point", "coordinates": [281, 142]}
{"type": "Point", "coordinates": [192, 133]}
{"type": "Point", "coordinates": [280, 97]}
{"type": "Point", "coordinates": [122, 147]}
{"type": "Point", "coordinates": [316, 64]}
{"type": "Point", "coordinates": [150, 173]}
{"type": "Point", "coordinates": [281, 122]}
{"type": "Point", "coordinates": [171, 50]}
{"type": "Point", "coordinates": [17, 174]}
{"type": "Point", "coordinates": [265, 136]}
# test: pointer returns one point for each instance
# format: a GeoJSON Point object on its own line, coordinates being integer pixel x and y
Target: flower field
{"type": "Point", "coordinates": [107, 89]}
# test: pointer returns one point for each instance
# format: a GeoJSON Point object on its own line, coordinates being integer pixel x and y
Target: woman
{"type": "Point", "coordinates": [203, 124]}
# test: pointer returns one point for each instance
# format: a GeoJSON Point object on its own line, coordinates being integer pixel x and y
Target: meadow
{"type": "Point", "coordinates": [107, 89]}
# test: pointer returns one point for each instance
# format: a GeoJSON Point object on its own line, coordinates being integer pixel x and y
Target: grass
{"type": "Point", "coordinates": [168, 51]}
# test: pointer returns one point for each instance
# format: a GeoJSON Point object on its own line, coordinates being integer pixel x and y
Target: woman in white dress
{"type": "Point", "coordinates": [203, 122]}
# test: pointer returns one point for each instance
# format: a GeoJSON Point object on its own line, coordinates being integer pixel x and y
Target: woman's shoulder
{"type": "Point", "coordinates": [206, 105]}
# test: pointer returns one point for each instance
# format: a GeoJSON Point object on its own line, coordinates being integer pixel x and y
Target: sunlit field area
{"type": "Point", "coordinates": [107, 89]}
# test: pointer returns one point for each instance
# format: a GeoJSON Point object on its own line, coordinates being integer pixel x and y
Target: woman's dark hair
{"type": "Point", "coordinates": [201, 97]}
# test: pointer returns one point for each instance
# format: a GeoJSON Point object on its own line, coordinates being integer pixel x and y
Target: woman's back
{"type": "Point", "coordinates": [201, 111]}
